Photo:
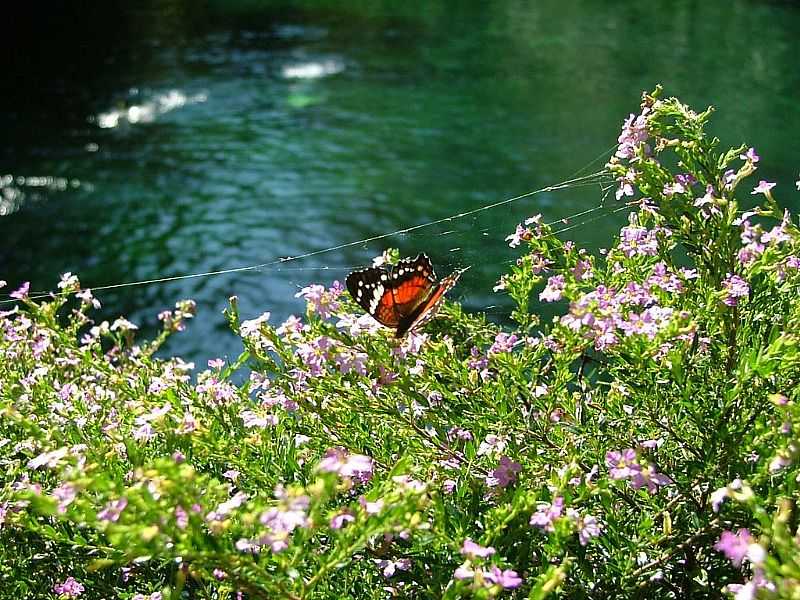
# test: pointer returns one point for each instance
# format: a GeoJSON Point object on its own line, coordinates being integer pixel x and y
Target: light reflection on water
{"type": "Point", "coordinates": [313, 69]}
{"type": "Point", "coordinates": [147, 111]}
{"type": "Point", "coordinates": [16, 191]}
{"type": "Point", "coordinates": [240, 139]}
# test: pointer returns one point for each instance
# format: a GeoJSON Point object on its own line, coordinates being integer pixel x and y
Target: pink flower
{"type": "Point", "coordinates": [478, 362]}
{"type": "Point", "coordinates": [588, 527]}
{"type": "Point", "coordinates": [386, 377]}
{"type": "Point", "coordinates": [503, 342]}
{"type": "Point", "coordinates": [390, 567]}
{"type": "Point", "coordinates": [634, 134]}
{"type": "Point", "coordinates": [356, 325]}
{"type": "Point", "coordinates": [321, 301]}
{"type": "Point", "coordinates": [227, 507]}
{"type": "Point", "coordinates": [546, 515]}
{"type": "Point", "coordinates": [505, 473]}
{"type": "Point", "coordinates": [626, 185]}
{"type": "Point", "coordinates": [371, 508]}
{"type": "Point", "coordinates": [734, 545]}
{"type": "Point", "coordinates": [292, 327]}
{"type": "Point", "coordinates": [582, 270]}
{"type": "Point", "coordinates": [539, 263]}
{"type": "Point", "coordinates": [251, 328]}
{"type": "Point", "coordinates": [779, 233]}
{"type": "Point", "coordinates": [459, 433]}
{"type": "Point", "coordinates": [50, 459]}
{"type": "Point", "coordinates": [522, 234]}
{"type": "Point", "coordinates": [734, 287]}
{"type": "Point", "coordinates": [622, 465]}
{"type": "Point", "coordinates": [113, 510]}
{"type": "Point", "coordinates": [507, 579]}
{"type": "Point", "coordinates": [69, 588]}
{"type": "Point", "coordinates": [718, 497]}
{"type": "Point", "coordinates": [352, 466]}
{"type": "Point", "coordinates": [670, 189]}
{"type": "Point", "coordinates": [280, 522]}
{"type": "Point", "coordinates": [650, 479]}
{"type": "Point", "coordinates": [763, 187]}
{"type": "Point", "coordinates": [472, 550]}
{"type": "Point", "coordinates": [315, 353]}
{"type": "Point", "coordinates": [340, 520]}
{"type": "Point", "coordinates": [86, 297]}
{"type": "Point", "coordinates": [181, 517]}
{"type": "Point", "coordinates": [258, 419]}
{"type": "Point", "coordinates": [351, 362]}
{"type": "Point", "coordinates": [492, 443]}
{"type": "Point", "coordinates": [638, 241]}
{"type": "Point", "coordinates": [65, 494]}
{"type": "Point", "coordinates": [123, 325]}
{"type": "Point", "coordinates": [69, 282]}
{"type": "Point", "coordinates": [464, 572]}
{"type": "Point", "coordinates": [749, 590]}
{"type": "Point", "coordinates": [187, 425]}
{"type": "Point", "coordinates": [21, 294]}
{"type": "Point", "coordinates": [553, 291]}
{"type": "Point", "coordinates": [708, 203]}
{"type": "Point", "coordinates": [750, 155]}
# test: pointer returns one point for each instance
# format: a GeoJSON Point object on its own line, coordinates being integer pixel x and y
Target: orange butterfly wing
{"type": "Point", "coordinates": [427, 309]}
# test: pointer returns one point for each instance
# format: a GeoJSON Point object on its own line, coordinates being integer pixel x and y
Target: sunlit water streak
{"type": "Point", "coordinates": [147, 111]}
{"type": "Point", "coordinates": [16, 191]}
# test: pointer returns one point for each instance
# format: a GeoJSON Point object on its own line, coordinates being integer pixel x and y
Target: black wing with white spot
{"type": "Point", "coordinates": [368, 288]}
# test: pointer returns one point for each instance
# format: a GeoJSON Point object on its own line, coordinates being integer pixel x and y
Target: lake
{"type": "Point", "coordinates": [169, 138]}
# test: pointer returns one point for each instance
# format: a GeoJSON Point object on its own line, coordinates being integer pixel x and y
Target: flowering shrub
{"type": "Point", "coordinates": [644, 443]}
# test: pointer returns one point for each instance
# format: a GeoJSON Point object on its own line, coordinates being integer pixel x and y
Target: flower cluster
{"type": "Point", "coordinates": [350, 466]}
{"type": "Point", "coordinates": [323, 302]}
{"type": "Point", "coordinates": [492, 578]}
{"type": "Point", "coordinates": [634, 135]}
{"type": "Point", "coordinates": [526, 231]}
{"type": "Point", "coordinates": [606, 315]}
{"type": "Point", "coordinates": [278, 522]}
{"type": "Point", "coordinates": [625, 465]}
{"type": "Point", "coordinates": [548, 514]}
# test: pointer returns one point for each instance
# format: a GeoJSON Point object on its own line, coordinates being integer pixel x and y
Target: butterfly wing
{"type": "Point", "coordinates": [371, 291]}
{"type": "Point", "coordinates": [412, 282]}
{"type": "Point", "coordinates": [427, 309]}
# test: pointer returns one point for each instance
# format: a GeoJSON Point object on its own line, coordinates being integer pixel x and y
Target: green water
{"type": "Point", "coordinates": [181, 137]}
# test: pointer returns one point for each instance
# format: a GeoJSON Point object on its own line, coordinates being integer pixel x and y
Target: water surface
{"type": "Point", "coordinates": [180, 137]}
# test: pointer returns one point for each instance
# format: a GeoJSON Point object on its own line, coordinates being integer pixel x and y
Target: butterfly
{"type": "Point", "coordinates": [403, 296]}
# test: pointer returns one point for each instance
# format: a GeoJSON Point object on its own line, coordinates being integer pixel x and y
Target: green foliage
{"type": "Point", "coordinates": [618, 451]}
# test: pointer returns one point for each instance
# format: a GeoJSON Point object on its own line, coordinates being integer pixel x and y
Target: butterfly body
{"type": "Point", "coordinates": [403, 296]}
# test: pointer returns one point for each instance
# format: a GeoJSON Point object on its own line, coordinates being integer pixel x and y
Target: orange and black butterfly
{"type": "Point", "coordinates": [403, 296]}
